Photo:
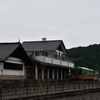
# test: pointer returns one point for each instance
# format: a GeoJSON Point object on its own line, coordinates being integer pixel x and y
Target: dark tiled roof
{"type": "Point", "coordinates": [41, 45]}
{"type": "Point", "coordinates": [6, 49]}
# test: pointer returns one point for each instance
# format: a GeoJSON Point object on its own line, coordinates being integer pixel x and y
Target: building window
{"type": "Point", "coordinates": [13, 66]}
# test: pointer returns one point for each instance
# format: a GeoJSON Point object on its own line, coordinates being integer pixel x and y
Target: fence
{"type": "Point", "coordinates": [10, 89]}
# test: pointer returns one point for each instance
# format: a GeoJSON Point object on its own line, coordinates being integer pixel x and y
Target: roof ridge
{"type": "Point", "coordinates": [9, 42]}
{"type": "Point", "coordinates": [41, 41]}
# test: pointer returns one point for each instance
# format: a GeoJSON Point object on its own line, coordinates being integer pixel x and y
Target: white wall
{"type": "Point", "coordinates": [14, 72]}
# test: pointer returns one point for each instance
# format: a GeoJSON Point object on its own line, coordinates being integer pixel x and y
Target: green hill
{"type": "Point", "coordinates": [86, 56]}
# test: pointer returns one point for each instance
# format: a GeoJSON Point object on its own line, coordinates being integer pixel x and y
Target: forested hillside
{"type": "Point", "coordinates": [86, 56]}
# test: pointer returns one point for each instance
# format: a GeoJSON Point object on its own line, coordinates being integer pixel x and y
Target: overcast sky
{"type": "Point", "coordinates": [76, 22]}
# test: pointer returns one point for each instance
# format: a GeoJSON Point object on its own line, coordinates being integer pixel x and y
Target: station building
{"type": "Point", "coordinates": [13, 61]}
{"type": "Point", "coordinates": [50, 60]}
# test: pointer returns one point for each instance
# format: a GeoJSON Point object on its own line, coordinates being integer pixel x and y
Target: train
{"type": "Point", "coordinates": [82, 73]}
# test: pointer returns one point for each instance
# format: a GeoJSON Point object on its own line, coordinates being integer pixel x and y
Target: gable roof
{"type": "Point", "coordinates": [51, 45]}
{"type": "Point", "coordinates": [7, 49]}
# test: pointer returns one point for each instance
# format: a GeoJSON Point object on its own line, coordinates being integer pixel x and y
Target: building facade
{"type": "Point", "coordinates": [50, 60]}
{"type": "Point", "coordinates": [13, 61]}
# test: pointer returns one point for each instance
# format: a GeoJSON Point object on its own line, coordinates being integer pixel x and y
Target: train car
{"type": "Point", "coordinates": [82, 73]}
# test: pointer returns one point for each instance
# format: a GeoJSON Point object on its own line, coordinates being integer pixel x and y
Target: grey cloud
{"type": "Point", "coordinates": [76, 22]}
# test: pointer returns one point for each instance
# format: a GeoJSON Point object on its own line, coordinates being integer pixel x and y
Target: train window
{"type": "Point", "coordinates": [91, 73]}
{"type": "Point", "coordinates": [76, 71]}
{"type": "Point", "coordinates": [13, 66]}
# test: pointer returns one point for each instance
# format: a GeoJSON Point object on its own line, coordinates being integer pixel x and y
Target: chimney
{"type": "Point", "coordinates": [44, 39]}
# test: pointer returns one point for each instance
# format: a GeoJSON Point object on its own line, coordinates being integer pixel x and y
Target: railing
{"type": "Point", "coordinates": [53, 58]}
{"type": "Point", "coordinates": [52, 55]}
{"type": "Point", "coordinates": [27, 88]}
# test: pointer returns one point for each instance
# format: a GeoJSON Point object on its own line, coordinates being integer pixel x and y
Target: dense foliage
{"type": "Point", "coordinates": [86, 56]}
